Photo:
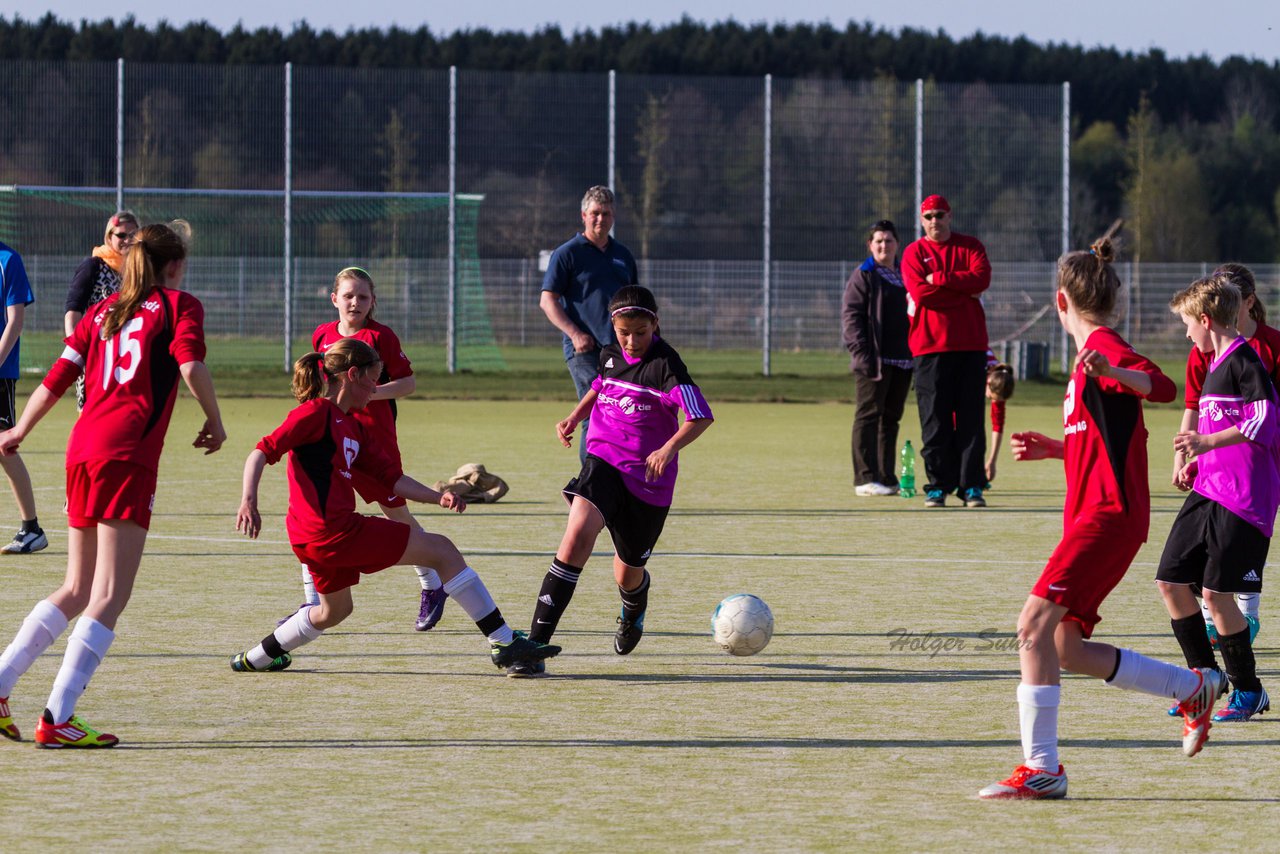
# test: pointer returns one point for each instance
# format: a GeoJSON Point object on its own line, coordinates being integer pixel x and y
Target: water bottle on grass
{"type": "Point", "coordinates": [907, 476]}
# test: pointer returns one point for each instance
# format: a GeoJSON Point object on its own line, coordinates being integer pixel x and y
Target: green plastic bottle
{"type": "Point", "coordinates": [907, 476]}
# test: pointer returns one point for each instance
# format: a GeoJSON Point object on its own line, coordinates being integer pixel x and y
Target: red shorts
{"type": "Point", "coordinates": [109, 489]}
{"type": "Point", "coordinates": [1086, 566]}
{"type": "Point", "coordinates": [370, 544]}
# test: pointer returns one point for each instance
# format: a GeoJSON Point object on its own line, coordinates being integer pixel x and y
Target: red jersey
{"type": "Point", "coordinates": [379, 414]}
{"type": "Point", "coordinates": [946, 314]}
{"type": "Point", "coordinates": [131, 379]}
{"type": "Point", "coordinates": [998, 408]}
{"type": "Point", "coordinates": [1265, 342]}
{"type": "Point", "coordinates": [1105, 439]}
{"type": "Point", "coordinates": [325, 446]}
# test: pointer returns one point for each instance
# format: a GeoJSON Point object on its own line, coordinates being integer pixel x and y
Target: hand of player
{"type": "Point", "coordinates": [1186, 476]}
{"type": "Point", "coordinates": [1179, 461]}
{"type": "Point", "coordinates": [451, 501]}
{"type": "Point", "coordinates": [9, 442]}
{"type": "Point", "coordinates": [657, 463]}
{"type": "Point", "coordinates": [210, 437]}
{"type": "Point", "coordinates": [564, 430]}
{"type": "Point", "coordinates": [1095, 364]}
{"type": "Point", "coordinates": [248, 522]}
{"type": "Point", "coordinates": [1033, 446]}
{"type": "Point", "coordinates": [1191, 442]}
{"type": "Point", "coordinates": [991, 470]}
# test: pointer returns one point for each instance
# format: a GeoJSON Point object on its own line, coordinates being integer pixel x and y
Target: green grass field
{"type": "Point", "coordinates": [383, 739]}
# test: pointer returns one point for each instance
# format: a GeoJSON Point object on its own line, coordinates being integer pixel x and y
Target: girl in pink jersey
{"type": "Point", "coordinates": [354, 297]}
{"type": "Point", "coordinates": [629, 476]}
{"type": "Point", "coordinates": [327, 446]}
{"type": "Point", "coordinates": [1106, 515]}
{"type": "Point", "coordinates": [132, 347]}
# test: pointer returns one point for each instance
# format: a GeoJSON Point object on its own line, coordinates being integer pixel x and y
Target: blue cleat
{"type": "Point", "coordinates": [1243, 705]}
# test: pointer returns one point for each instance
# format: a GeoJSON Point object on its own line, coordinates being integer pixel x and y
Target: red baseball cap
{"type": "Point", "coordinates": [935, 203]}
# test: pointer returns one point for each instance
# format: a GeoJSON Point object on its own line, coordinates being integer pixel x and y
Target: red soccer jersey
{"type": "Point", "coordinates": [1106, 439]}
{"type": "Point", "coordinates": [325, 445]}
{"type": "Point", "coordinates": [379, 414]}
{"type": "Point", "coordinates": [131, 380]}
{"type": "Point", "coordinates": [1265, 342]}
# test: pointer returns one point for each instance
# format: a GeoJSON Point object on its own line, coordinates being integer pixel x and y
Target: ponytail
{"type": "Point", "coordinates": [313, 371]}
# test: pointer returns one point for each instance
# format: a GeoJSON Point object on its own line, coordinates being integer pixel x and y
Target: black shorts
{"type": "Point", "coordinates": [635, 525]}
{"type": "Point", "coordinates": [8, 392]}
{"type": "Point", "coordinates": [1212, 548]}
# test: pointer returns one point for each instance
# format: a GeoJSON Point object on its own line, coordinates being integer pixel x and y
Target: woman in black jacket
{"type": "Point", "coordinates": [875, 334]}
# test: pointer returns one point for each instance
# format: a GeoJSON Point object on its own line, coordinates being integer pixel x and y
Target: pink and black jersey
{"type": "Point", "coordinates": [379, 414]}
{"type": "Point", "coordinates": [325, 446]}
{"type": "Point", "coordinates": [131, 379]}
{"type": "Point", "coordinates": [636, 413]}
{"type": "Point", "coordinates": [1105, 439]}
{"type": "Point", "coordinates": [1244, 478]}
{"type": "Point", "coordinates": [1265, 342]}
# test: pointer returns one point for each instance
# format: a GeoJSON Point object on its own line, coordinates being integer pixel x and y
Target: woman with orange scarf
{"type": "Point", "coordinates": [99, 276]}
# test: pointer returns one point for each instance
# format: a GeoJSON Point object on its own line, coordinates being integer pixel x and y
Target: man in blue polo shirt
{"type": "Point", "coordinates": [583, 275]}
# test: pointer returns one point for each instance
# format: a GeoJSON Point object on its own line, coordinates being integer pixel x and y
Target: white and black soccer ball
{"type": "Point", "coordinates": [742, 624]}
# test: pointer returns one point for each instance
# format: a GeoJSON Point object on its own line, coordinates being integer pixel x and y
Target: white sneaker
{"type": "Point", "coordinates": [867, 490]}
{"type": "Point", "coordinates": [24, 543]}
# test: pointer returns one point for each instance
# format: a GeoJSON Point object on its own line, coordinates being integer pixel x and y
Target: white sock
{"type": "Point", "coordinates": [1038, 717]}
{"type": "Point", "coordinates": [292, 633]}
{"type": "Point", "coordinates": [38, 631]}
{"type": "Point", "coordinates": [1204, 612]}
{"type": "Point", "coordinates": [86, 648]}
{"type": "Point", "coordinates": [309, 593]}
{"type": "Point", "coordinates": [1248, 603]}
{"type": "Point", "coordinates": [469, 592]}
{"type": "Point", "coordinates": [1139, 673]}
{"type": "Point", "coordinates": [428, 578]}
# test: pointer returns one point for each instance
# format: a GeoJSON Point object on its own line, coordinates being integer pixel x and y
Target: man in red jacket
{"type": "Point", "coordinates": [945, 273]}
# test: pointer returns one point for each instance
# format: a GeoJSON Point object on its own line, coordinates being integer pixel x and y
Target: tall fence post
{"type": "Point", "coordinates": [288, 216]}
{"type": "Point", "coordinates": [1066, 193]}
{"type": "Point", "coordinates": [451, 332]}
{"type": "Point", "coordinates": [767, 274]}
{"type": "Point", "coordinates": [120, 134]}
{"type": "Point", "coordinates": [919, 154]}
{"type": "Point", "coordinates": [613, 128]}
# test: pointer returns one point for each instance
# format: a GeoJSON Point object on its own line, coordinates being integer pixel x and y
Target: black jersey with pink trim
{"type": "Point", "coordinates": [636, 413]}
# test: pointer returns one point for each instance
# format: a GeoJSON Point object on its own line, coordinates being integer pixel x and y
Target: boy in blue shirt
{"type": "Point", "coordinates": [16, 291]}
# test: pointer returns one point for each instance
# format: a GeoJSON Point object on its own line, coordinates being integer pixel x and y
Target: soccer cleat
{"type": "Point", "coordinates": [26, 542]}
{"type": "Point", "coordinates": [431, 609]}
{"type": "Point", "coordinates": [935, 498]}
{"type": "Point", "coordinates": [240, 663]}
{"type": "Point", "coordinates": [867, 490]}
{"type": "Point", "coordinates": [520, 649]}
{"type": "Point", "coordinates": [7, 727]}
{"type": "Point", "coordinates": [1197, 708]}
{"type": "Point", "coordinates": [1255, 625]}
{"type": "Point", "coordinates": [72, 733]}
{"type": "Point", "coordinates": [527, 670]}
{"type": "Point", "coordinates": [628, 634]}
{"type": "Point", "coordinates": [1028, 784]}
{"type": "Point", "coordinates": [1243, 705]}
{"type": "Point", "coordinates": [1212, 631]}
{"type": "Point", "coordinates": [973, 498]}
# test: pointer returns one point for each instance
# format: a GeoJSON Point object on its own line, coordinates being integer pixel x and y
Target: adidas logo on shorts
{"type": "Point", "coordinates": [1251, 575]}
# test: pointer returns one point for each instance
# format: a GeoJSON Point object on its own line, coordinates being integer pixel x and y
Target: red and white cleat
{"type": "Point", "coordinates": [1028, 784]}
{"type": "Point", "coordinates": [71, 733]}
{"type": "Point", "coordinates": [1197, 708]}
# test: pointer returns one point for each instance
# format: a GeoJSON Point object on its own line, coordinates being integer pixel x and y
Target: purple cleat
{"type": "Point", "coordinates": [431, 609]}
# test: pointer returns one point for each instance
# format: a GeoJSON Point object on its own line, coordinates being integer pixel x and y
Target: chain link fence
{"type": "Point", "coordinates": [745, 200]}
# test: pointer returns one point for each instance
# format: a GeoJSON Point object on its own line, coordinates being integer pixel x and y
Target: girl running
{"type": "Point", "coordinates": [1106, 515]}
{"type": "Point", "coordinates": [1265, 341]}
{"type": "Point", "coordinates": [132, 346]}
{"type": "Point", "coordinates": [353, 295]}
{"type": "Point", "coordinates": [327, 447]}
{"type": "Point", "coordinates": [629, 475]}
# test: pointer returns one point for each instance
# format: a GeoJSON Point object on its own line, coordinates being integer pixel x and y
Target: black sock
{"type": "Point", "coordinates": [557, 590]}
{"type": "Point", "coordinates": [30, 526]}
{"type": "Point", "coordinates": [1237, 656]}
{"type": "Point", "coordinates": [1194, 642]}
{"type": "Point", "coordinates": [635, 601]}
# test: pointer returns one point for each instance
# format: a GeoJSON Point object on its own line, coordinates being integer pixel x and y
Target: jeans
{"type": "Point", "coordinates": [583, 369]}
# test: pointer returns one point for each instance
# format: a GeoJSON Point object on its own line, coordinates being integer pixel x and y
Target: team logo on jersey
{"type": "Point", "coordinates": [350, 450]}
{"type": "Point", "coordinates": [151, 305]}
{"type": "Point", "coordinates": [1215, 411]}
{"type": "Point", "coordinates": [609, 364]}
{"type": "Point", "coordinates": [628, 404]}
{"type": "Point", "coordinates": [1069, 402]}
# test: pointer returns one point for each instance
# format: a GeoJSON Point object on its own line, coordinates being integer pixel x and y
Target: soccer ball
{"type": "Point", "coordinates": [742, 624]}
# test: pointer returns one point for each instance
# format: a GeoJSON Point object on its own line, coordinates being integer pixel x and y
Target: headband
{"type": "Point", "coordinates": [360, 270]}
{"type": "Point", "coordinates": [618, 311]}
